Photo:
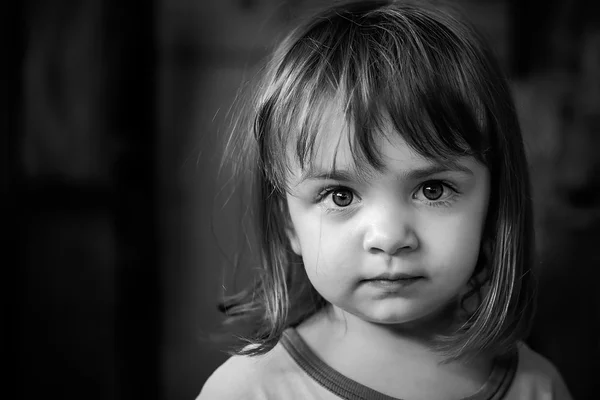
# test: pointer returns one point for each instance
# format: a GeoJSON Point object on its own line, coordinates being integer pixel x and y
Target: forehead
{"type": "Point", "coordinates": [335, 147]}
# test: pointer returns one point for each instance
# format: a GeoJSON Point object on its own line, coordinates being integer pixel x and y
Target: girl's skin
{"type": "Point", "coordinates": [416, 217]}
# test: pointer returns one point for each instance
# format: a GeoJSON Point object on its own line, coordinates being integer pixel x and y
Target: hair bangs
{"type": "Point", "coordinates": [406, 69]}
{"type": "Point", "coordinates": [415, 72]}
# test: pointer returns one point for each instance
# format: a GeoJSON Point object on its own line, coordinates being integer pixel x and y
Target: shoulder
{"type": "Point", "coordinates": [248, 377]}
{"type": "Point", "coordinates": [537, 378]}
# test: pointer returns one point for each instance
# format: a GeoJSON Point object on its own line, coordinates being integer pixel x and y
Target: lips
{"type": "Point", "coordinates": [395, 277]}
{"type": "Point", "coordinates": [391, 281]}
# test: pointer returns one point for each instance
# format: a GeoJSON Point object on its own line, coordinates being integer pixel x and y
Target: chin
{"type": "Point", "coordinates": [427, 316]}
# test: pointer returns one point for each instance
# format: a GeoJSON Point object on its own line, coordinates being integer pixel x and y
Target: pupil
{"type": "Point", "coordinates": [433, 191]}
{"type": "Point", "coordinates": [342, 198]}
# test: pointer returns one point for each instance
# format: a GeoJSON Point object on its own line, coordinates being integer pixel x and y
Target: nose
{"type": "Point", "coordinates": [390, 233]}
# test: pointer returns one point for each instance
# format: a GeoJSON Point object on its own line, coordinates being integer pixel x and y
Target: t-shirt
{"type": "Point", "coordinates": [291, 370]}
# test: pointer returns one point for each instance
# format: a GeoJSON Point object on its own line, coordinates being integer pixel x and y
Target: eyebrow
{"type": "Point", "coordinates": [413, 174]}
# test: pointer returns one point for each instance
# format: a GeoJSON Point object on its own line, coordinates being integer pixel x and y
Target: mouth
{"type": "Point", "coordinates": [391, 281]}
{"type": "Point", "coordinates": [395, 277]}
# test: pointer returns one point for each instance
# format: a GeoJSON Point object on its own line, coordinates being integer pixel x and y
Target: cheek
{"type": "Point", "coordinates": [328, 251]}
{"type": "Point", "coordinates": [456, 245]}
{"type": "Point", "coordinates": [324, 246]}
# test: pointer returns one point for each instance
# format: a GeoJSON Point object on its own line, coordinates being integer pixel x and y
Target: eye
{"type": "Point", "coordinates": [342, 197]}
{"type": "Point", "coordinates": [433, 190]}
{"type": "Point", "coordinates": [436, 193]}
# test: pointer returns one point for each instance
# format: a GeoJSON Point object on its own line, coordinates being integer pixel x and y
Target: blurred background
{"type": "Point", "coordinates": [114, 117]}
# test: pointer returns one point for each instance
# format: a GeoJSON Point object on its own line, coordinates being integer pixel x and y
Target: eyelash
{"type": "Point", "coordinates": [327, 191]}
{"type": "Point", "coordinates": [441, 203]}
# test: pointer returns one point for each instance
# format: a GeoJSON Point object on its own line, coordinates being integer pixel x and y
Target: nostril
{"type": "Point", "coordinates": [375, 250]}
{"type": "Point", "coordinates": [391, 250]}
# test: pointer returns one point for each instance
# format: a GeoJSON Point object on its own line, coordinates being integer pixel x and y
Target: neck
{"type": "Point", "coordinates": [344, 329]}
{"type": "Point", "coordinates": [391, 359]}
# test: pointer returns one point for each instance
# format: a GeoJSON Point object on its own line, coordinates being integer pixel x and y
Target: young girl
{"type": "Point", "coordinates": [393, 211]}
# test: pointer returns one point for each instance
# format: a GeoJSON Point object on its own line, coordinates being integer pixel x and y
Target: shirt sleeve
{"type": "Point", "coordinates": [538, 378]}
{"type": "Point", "coordinates": [559, 387]}
{"type": "Point", "coordinates": [239, 378]}
{"type": "Point", "coordinates": [218, 389]}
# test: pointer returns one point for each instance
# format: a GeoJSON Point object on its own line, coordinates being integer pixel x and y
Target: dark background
{"type": "Point", "coordinates": [113, 117]}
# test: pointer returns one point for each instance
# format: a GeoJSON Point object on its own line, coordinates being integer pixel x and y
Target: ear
{"type": "Point", "coordinates": [293, 238]}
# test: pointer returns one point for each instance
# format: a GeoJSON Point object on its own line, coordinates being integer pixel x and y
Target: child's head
{"type": "Point", "coordinates": [390, 179]}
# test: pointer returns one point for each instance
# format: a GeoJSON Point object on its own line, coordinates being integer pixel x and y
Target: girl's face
{"type": "Point", "coordinates": [395, 247]}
